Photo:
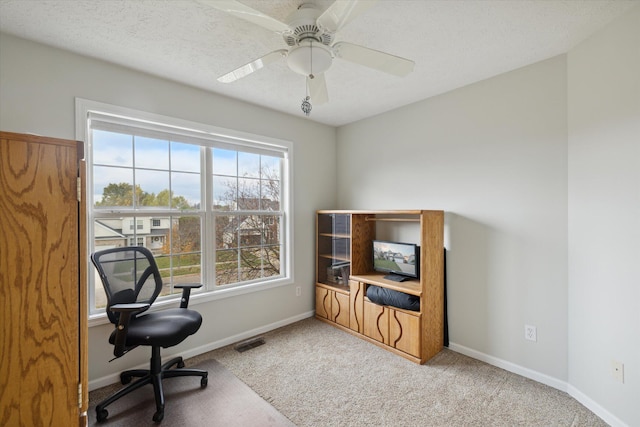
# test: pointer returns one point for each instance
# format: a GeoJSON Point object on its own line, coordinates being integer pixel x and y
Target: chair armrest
{"type": "Point", "coordinates": [186, 292]}
{"type": "Point", "coordinates": [125, 311]}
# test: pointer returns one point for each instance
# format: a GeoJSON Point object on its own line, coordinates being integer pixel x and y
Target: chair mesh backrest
{"type": "Point", "coordinates": [129, 275]}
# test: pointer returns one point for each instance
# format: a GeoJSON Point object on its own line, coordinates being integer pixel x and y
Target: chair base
{"type": "Point", "coordinates": [153, 376]}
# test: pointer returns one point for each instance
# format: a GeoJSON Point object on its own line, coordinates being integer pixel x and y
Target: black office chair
{"type": "Point", "coordinates": [132, 283]}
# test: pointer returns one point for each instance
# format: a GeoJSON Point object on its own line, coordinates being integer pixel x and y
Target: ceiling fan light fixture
{"type": "Point", "coordinates": [309, 58]}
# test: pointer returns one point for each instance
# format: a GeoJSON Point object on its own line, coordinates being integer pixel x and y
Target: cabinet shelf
{"type": "Point", "coordinates": [335, 236]}
{"type": "Point", "coordinates": [334, 257]}
{"type": "Point", "coordinates": [411, 287]}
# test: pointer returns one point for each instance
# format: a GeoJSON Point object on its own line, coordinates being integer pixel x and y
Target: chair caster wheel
{"type": "Point", "coordinates": [203, 382]}
{"type": "Point", "coordinates": [101, 415]}
{"type": "Point", "coordinates": [125, 379]}
{"type": "Point", "coordinates": [158, 416]}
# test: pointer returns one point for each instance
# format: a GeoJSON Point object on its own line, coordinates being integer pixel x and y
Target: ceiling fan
{"type": "Point", "coordinates": [309, 34]}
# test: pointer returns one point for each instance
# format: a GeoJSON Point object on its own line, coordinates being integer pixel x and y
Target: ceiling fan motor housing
{"type": "Point", "coordinates": [302, 24]}
{"type": "Point", "coordinates": [309, 54]}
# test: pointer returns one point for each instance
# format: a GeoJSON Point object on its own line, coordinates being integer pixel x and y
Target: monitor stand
{"type": "Point", "coordinates": [395, 277]}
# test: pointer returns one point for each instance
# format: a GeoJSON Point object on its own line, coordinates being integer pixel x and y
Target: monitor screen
{"type": "Point", "coordinates": [396, 257]}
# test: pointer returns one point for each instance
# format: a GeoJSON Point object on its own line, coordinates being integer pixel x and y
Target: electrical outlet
{"type": "Point", "coordinates": [298, 291]}
{"type": "Point", "coordinates": [530, 333]}
{"type": "Point", "coordinates": [617, 371]}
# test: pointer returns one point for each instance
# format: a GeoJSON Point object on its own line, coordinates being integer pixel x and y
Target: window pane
{"type": "Point", "coordinates": [185, 157]}
{"type": "Point", "coordinates": [250, 264]}
{"type": "Point", "coordinates": [248, 165]}
{"type": "Point", "coordinates": [225, 162]}
{"type": "Point", "coordinates": [271, 261]}
{"type": "Point", "coordinates": [114, 149]}
{"type": "Point", "coordinates": [151, 153]}
{"type": "Point", "coordinates": [250, 230]}
{"type": "Point", "coordinates": [186, 190]}
{"type": "Point", "coordinates": [224, 193]}
{"type": "Point", "coordinates": [248, 194]}
{"type": "Point", "coordinates": [226, 267]}
{"type": "Point", "coordinates": [226, 232]}
{"type": "Point", "coordinates": [187, 269]}
{"type": "Point", "coordinates": [149, 184]}
{"type": "Point", "coordinates": [271, 230]}
{"type": "Point", "coordinates": [270, 195]}
{"type": "Point", "coordinates": [269, 167]}
{"type": "Point", "coordinates": [112, 186]}
{"type": "Point", "coordinates": [185, 234]}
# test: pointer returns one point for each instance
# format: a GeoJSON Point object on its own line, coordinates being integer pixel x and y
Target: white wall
{"type": "Point", "coordinates": [539, 172]}
{"type": "Point", "coordinates": [494, 156]}
{"type": "Point", "coordinates": [604, 216]}
{"type": "Point", "coordinates": [38, 86]}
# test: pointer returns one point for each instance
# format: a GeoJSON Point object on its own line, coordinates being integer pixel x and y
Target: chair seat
{"type": "Point", "coordinates": [163, 328]}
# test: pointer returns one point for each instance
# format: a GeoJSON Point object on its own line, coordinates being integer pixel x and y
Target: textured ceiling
{"type": "Point", "coordinates": [453, 43]}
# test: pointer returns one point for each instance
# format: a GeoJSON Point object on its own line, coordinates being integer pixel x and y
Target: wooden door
{"type": "Point", "coordinates": [340, 308]}
{"type": "Point", "coordinates": [356, 299]}
{"type": "Point", "coordinates": [376, 322]}
{"type": "Point", "coordinates": [323, 303]}
{"type": "Point", "coordinates": [41, 366]}
{"type": "Point", "coordinates": [404, 332]}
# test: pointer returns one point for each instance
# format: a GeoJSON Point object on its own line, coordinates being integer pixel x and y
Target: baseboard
{"type": "Point", "coordinates": [594, 407]}
{"type": "Point", "coordinates": [511, 367]}
{"type": "Point", "coordinates": [115, 377]}
{"type": "Point", "coordinates": [589, 403]}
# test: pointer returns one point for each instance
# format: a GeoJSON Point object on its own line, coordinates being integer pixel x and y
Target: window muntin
{"type": "Point", "coordinates": [168, 185]}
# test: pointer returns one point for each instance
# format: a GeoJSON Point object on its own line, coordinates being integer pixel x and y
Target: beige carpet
{"type": "Point", "coordinates": [225, 402]}
{"type": "Point", "coordinates": [317, 375]}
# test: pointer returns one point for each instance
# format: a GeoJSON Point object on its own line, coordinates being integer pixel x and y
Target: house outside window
{"type": "Point", "coordinates": [212, 207]}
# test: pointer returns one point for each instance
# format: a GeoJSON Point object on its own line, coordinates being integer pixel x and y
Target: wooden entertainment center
{"type": "Point", "coordinates": [344, 270]}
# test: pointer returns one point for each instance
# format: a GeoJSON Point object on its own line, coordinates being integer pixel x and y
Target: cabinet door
{"type": "Point", "coordinates": [40, 361]}
{"type": "Point", "coordinates": [356, 298]}
{"type": "Point", "coordinates": [323, 303]}
{"type": "Point", "coordinates": [376, 322]}
{"type": "Point", "coordinates": [404, 332]}
{"type": "Point", "coordinates": [340, 308]}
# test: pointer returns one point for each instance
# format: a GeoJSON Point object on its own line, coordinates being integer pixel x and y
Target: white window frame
{"type": "Point", "coordinates": [220, 137]}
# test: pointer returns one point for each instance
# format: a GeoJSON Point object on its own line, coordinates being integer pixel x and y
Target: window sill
{"type": "Point", "coordinates": [202, 298]}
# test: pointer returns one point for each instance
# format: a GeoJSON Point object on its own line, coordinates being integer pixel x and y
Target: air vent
{"type": "Point", "coordinates": [249, 344]}
{"type": "Point", "coordinates": [307, 31]}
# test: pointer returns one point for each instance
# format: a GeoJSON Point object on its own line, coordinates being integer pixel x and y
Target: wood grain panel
{"type": "Point", "coordinates": [356, 298]}
{"type": "Point", "coordinates": [376, 322]}
{"type": "Point", "coordinates": [323, 303]}
{"type": "Point", "coordinates": [363, 232]}
{"type": "Point", "coordinates": [432, 280]}
{"type": "Point", "coordinates": [404, 332]}
{"type": "Point", "coordinates": [340, 308]}
{"type": "Point", "coordinates": [39, 363]}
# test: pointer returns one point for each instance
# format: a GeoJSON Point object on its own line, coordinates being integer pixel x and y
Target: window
{"type": "Point", "coordinates": [211, 204]}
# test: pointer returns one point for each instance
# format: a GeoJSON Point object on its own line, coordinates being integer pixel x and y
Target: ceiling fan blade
{"type": "Point", "coordinates": [241, 11]}
{"type": "Point", "coordinates": [253, 66]}
{"type": "Point", "coordinates": [340, 13]}
{"type": "Point", "coordinates": [318, 89]}
{"type": "Point", "coordinates": [373, 59]}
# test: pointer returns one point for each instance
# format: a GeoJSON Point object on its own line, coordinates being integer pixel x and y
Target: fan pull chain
{"type": "Point", "coordinates": [306, 102]}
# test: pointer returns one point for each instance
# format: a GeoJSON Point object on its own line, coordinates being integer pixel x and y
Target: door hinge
{"type": "Point", "coordinates": [79, 188]}
{"type": "Point", "coordinates": [80, 395]}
